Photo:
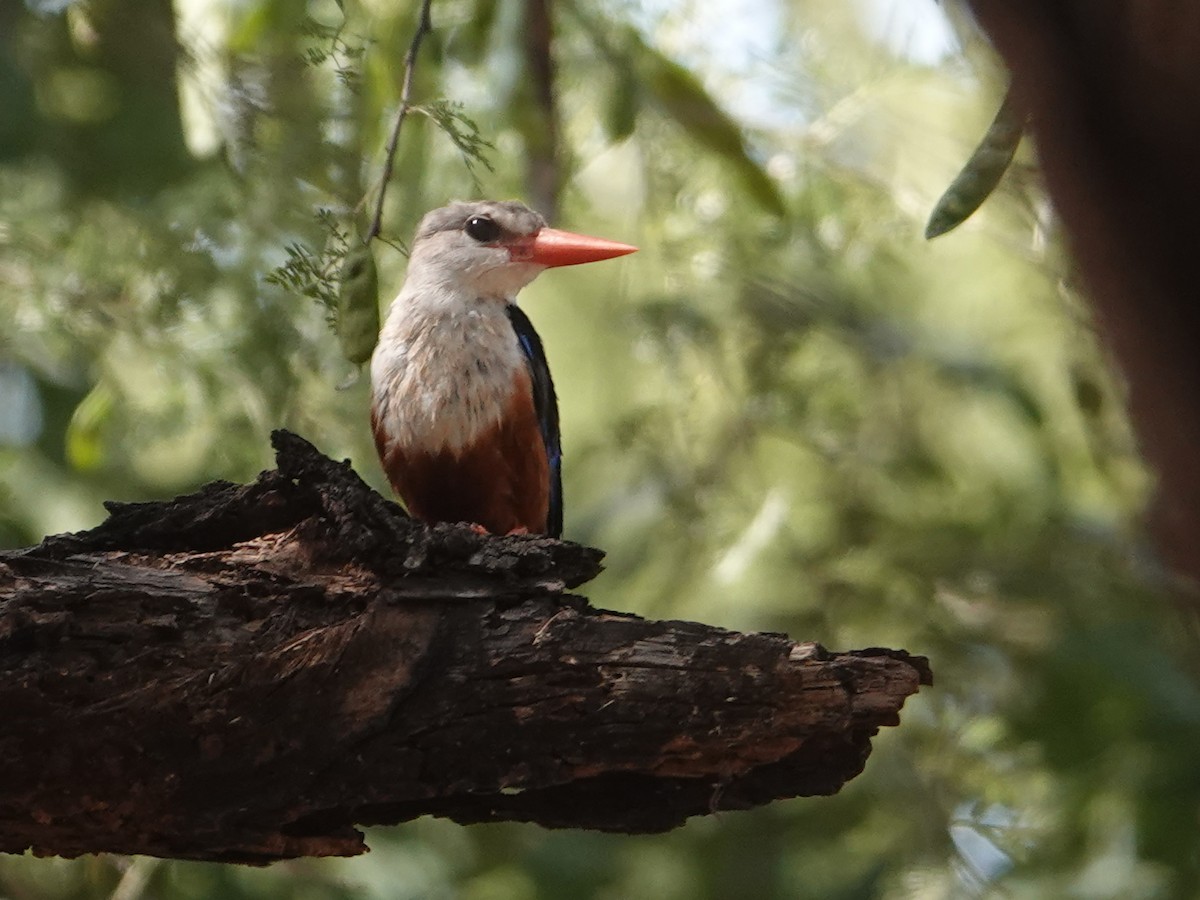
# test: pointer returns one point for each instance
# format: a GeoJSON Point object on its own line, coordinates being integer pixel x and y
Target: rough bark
{"type": "Point", "coordinates": [245, 673]}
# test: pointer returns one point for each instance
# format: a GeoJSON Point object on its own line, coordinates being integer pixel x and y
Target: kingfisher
{"type": "Point", "coordinates": [463, 408]}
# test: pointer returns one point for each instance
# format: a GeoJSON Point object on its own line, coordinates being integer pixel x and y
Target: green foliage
{"type": "Point", "coordinates": [357, 323]}
{"type": "Point", "coordinates": [640, 71]}
{"type": "Point", "coordinates": [312, 274]}
{"type": "Point", "coordinates": [683, 98]}
{"type": "Point", "coordinates": [788, 412]}
{"type": "Point", "coordinates": [452, 121]}
{"type": "Point", "coordinates": [343, 55]}
{"type": "Point", "coordinates": [343, 279]}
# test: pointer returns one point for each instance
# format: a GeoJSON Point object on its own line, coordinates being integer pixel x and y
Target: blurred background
{"type": "Point", "coordinates": [788, 412]}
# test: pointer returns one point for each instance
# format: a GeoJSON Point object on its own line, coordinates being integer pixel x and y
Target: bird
{"type": "Point", "coordinates": [463, 408]}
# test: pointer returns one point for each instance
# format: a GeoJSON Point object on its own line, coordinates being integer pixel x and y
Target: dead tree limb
{"type": "Point", "coordinates": [245, 673]}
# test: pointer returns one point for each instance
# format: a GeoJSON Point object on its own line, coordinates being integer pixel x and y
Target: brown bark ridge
{"type": "Point", "coordinates": [248, 672]}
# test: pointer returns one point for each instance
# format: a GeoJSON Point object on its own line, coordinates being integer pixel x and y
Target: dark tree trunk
{"type": "Point", "coordinates": [1113, 89]}
{"type": "Point", "coordinates": [134, 142]}
{"type": "Point", "coordinates": [246, 673]}
{"type": "Point", "coordinates": [540, 124]}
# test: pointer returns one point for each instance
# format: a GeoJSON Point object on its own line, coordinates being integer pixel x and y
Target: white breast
{"type": "Point", "coordinates": [442, 373]}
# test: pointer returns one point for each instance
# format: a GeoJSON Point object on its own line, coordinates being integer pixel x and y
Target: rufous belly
{"type": "Point", "coordinates": [500, 480]}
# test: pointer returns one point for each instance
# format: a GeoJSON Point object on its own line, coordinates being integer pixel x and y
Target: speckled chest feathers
{"type": "Point", "coordinates": [444, 377]}
{"type": "Point", "coordinates": [455, 420]}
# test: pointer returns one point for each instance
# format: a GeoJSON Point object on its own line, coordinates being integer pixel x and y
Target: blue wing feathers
{"type": "Point", "coordinates": [545, 403]}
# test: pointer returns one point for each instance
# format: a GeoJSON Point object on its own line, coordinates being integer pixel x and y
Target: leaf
{"type": "Point", "coordinates": [621, 104]}
{"type": "Point", "coordinates": [982, 172]}
{"type": "Point", "coordinates": [681, 96]}
{"type": "Point", "coordinates": [358, 304]}
{"type": "Point", "coordinates": [84, 439]}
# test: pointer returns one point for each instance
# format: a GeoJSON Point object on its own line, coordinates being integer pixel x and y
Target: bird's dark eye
{"type": "Point", "coordinates": [482, 229]}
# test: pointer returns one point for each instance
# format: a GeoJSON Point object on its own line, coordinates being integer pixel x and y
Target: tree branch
{"type": "Point", "coordinates": [424, 27]}
{"type": "Point", "coordinates": [245, 673]}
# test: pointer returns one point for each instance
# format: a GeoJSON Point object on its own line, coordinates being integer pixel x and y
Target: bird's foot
{"type": "Point", "coordinates": [479, 529]}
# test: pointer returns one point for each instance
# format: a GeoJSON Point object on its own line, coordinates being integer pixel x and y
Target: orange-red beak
{"type": "Point", "coordinates": [551, 247]}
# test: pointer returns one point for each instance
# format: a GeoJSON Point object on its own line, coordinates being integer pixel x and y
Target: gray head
{"type": "Point", "coordinates": [510, 217]}
{"type": "Point", "coordinates": [490, 249]}
{"type": "Point", "coordinates": [481, 246]}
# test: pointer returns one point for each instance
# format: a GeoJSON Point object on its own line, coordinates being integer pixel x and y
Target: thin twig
{"type": "Point", "coordinates": [424, 26]}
